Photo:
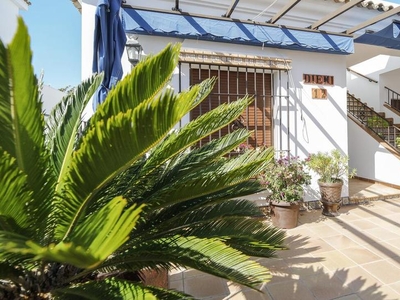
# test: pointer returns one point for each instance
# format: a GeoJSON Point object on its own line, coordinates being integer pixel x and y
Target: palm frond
{"type": "Point", "coordinates": [117, 289]}
{"type": "Point", "coordinates": [106, 230]}
{"type": "Point", "coordinates": [14, 197]}
{"type": "Point", "coordinates": [22, 123]}
{"type": "Point", "coordinates": [94, 240]}
{"type": "Point", "coordinates": [212, 256]}
{"type": "Point", "coordinates": [157, 218]}
{"type": "Point", "coordinates": [235, 220]}
{"type": "Point", "coordinates": [112, 146]}
{"type": "Point", "coordinates": [14, 250]}
{"type": "Point", "coordinates": [144, 82]}
{"type": "Point", "coordinates": [211, 179]}
{"type": "Point", "coordinates": [64, 122]}
{"type": "Point", "coordinates": [195, 131]}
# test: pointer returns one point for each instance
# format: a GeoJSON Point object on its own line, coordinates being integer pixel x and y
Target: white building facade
{"type": "Point", "coordinates": [300, 93]}
{"type": "Point", "coordinates": [9, 12]}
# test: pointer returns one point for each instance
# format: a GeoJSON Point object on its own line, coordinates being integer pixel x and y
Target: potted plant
{"type": "Point", "coordinates": [285, 179]}
{"type": "Point", "coordinates": [330, 167]}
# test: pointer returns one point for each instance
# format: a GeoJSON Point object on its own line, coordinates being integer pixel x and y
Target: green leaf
{"type": "Point", "coordinates": [14, 198]}
{"type": "Point", "coordinates": [106, 230]}
{"type": "Point", "coordinates": [211, 178]}
{"type": "Point", "coordinates": [112, 146]}
{"type": "Point", "coordinates": [144, 82]}
{"type": "Point", "coordinates": [210, 255]}
{"type": "Point", "coordinates": [117, 289]}
{"type": "Point", "coordinates": [195, 131]}
{"type": "Point", "coordinates": [22, 123]}
{"type": "Point", "coordinates": [64, 122]}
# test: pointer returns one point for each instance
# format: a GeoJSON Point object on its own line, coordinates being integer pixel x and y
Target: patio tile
{"type": "Point", "coordinates": [279, 269]}
{"type": "Point", "coordinates": [395, 287]}
{"type": "Point", "coordinates": [363, 213]}
{"type": "Point", "coordinates": [381, 211]}
{"type": "Point", "coordinates": [386, 223]}
{"type": "Point", "coordinates": [248, 295]}
{"type": "Point", "coordinates": [206, 286]}
{"type": "Point", "coordinates": [340, 242]}
{"type": "Point", "coordinates": [326, 286]}
{"type": "Point", "coordinates": [360, 260]}
{"type": "Point", "coordinates": [358, 279]}
{"type": "Point", "coordinates": [383, 249]}
{"type": "Point", "coordinates": [360, 255]}
{"type": "Point", "coordinates": [318, 246]}
{"type": "Point", "coordinates": [383, 292]}
{"type": "Point", "coordinates": [359, 236]}
{"type": "Point", "coordinates": [297, 244]}
{"type": "Point", "coordinates": [349, 297]}
{"type": "Point", "coordinates": [384, 271]}
{"type": "Point", "coordinates": [292, 290]}
{"type": "Point", "coordinates": [335, 260]}
{"type": "Point", "coordinates": [323, 230]}
{"type": "Point", "coordinates": [362, 224]}
{"type": "Point", "coordinates": [303, 232]}
{"type": "Point", "coordinates": [381, 234]}
{"type": "Point", "coordinates": [394, 217]}
{"type": "Point", "coordinates": [348, 216]}
{"type": "Point", "coordinates": [304, 266]}
{"type": "Point", "coordinates": [394, 242]}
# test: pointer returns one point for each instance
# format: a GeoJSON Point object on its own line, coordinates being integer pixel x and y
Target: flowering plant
{"type": "Point", "coordinates": [285, 179]}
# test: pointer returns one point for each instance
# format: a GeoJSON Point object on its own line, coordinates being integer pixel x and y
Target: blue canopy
{"type": "Point", "coordinates": [202, 28]}
{"type": "Point", "coordinates": [109, 45]}
{"type": "Point", "coordinates": [388, 37]}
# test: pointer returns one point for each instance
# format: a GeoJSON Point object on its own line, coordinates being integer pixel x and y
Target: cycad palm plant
{"type": "Point", "coordinates": [126, 194]}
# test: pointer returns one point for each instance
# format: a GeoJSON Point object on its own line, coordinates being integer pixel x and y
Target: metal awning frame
{"type": "Point", "coordinates": [335, 14]}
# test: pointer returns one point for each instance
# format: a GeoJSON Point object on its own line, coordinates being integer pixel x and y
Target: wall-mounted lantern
{"type": "Point", "coordinates": [134, 51]}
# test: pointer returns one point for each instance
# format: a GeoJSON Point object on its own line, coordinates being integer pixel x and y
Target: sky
{"type": "Point", "coordinates": [55, 30]}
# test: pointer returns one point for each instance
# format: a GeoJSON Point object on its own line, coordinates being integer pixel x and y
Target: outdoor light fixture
{"type": "Point", "coordinates": [134, 51]}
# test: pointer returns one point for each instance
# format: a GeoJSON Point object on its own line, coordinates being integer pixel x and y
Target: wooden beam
{"type": "Point", "coordinates": [283, 11]}
{"type": "Point", "coordinates": [374, 20]}
{"type": "Point", "coordinates": [231, 9]}
{"type": "Point", "coordinates": [342, 9]}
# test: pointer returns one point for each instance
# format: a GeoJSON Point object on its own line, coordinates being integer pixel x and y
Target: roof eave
{"type": "Point", "coordinates": [78, 5]}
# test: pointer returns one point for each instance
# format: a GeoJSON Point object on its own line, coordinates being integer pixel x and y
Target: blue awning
{"type": "Point", "coordinates": [388, 37]}
{"type": "Point", "coordinates": [201, 28]}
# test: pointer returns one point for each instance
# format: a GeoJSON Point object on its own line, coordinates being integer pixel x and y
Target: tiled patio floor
{"type": "Point", "coordinates": [353, 256]}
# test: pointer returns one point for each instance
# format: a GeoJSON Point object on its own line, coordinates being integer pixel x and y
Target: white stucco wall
{"type": "Point", "coordinates": [371, 159]}
{"type": "Point", "coordinates": [50, 97]}
{"type": "Point", "coordinates": [9, 12]}
{"type": "Point", "coordinates": [315, 125]}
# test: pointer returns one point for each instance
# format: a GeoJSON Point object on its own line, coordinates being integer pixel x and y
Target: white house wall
{"type": "Point", "coordinates": [50, 97]}
{"type": "Point", "coordinates": [390, 80]}
{"type": "Point", "coordinates": [9, 12]}
{"type": "Point", "coordinates": [315, 125]}
{"type": "Point", "coordinates": [371, 159]}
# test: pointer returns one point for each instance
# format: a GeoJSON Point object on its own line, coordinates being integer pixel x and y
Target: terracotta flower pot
{"type": "Point", "coordinates": [330, 197]}
{"type": "Point", "coordinates": [284, 215]}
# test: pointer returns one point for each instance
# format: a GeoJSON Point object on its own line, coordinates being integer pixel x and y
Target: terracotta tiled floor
{"type": "Point", "coordinates": [353, 256]}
